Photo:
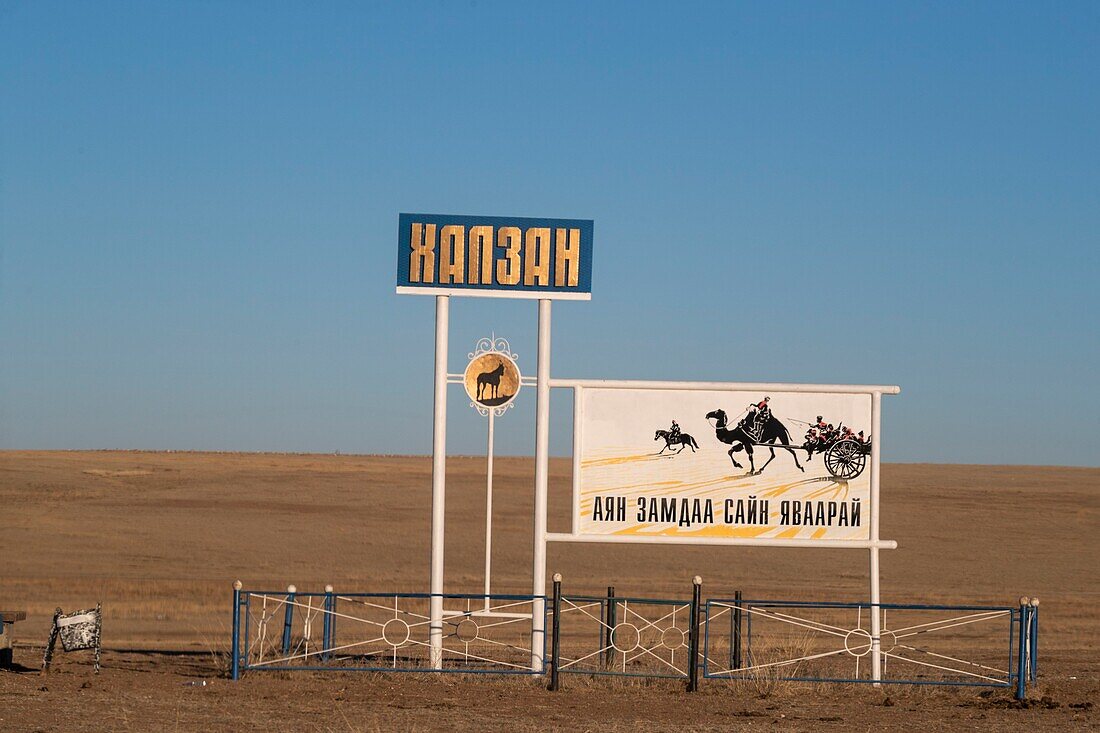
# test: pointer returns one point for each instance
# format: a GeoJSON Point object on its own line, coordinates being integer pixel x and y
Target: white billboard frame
{"type": "Point", "coordinates": [579, 385]}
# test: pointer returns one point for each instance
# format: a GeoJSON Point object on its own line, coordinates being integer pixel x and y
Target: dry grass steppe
{"type": "Point", "coordinates": [159, 538]}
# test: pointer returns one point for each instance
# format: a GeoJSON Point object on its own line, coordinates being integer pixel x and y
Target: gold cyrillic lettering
{"type": "Point", "coordinates": [422, 254]}
{"type": "Point", "coordinates": [481, 255]}
{"type": "Point", "coordinates": [452, 254]}
{"type": "Point", "coordinates": [568, 261]}
{"type": "Point", "coordinates": [510, 238]}
{"type": "Point", "coordinates": [536, 254]}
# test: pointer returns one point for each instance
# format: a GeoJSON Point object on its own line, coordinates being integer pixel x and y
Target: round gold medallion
{"type": "Point", "coordinates": [492, 379]}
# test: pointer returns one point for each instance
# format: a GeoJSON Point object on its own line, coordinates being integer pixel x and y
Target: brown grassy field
{"type": "Point", "coordinates": [159, 538]}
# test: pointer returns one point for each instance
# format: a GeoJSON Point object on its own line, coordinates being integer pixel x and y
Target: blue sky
{"type": "Point", "coordinates": [198, 210]}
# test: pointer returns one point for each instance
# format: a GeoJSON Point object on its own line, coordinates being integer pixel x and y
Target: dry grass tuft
{"type": "Point", "coordinates": [773, 665]}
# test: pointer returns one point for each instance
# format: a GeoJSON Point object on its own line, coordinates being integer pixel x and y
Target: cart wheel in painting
{"type": "Point", "coordinates": [845, 459]}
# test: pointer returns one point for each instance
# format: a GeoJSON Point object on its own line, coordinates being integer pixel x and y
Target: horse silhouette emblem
{"type": "Point", "coordinates": [490, 382]}
{"type": "Point", "coordinates": [492, 379]}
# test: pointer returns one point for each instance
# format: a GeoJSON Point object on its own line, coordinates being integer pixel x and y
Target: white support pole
{"type": "Point", "coordinates": [578, 436]}
{"type": "Point", "coordinates": [439, 481]}
{"type": "Point", "coordinates": [542, 466]}
{"type": "Point", "coordinates": [876, 617]}
{"type": "Point", "coordinates": [489, 509]}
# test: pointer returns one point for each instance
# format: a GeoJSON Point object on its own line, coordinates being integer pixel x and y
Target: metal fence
{"type": "Point", "coordinates": [288, 630]}
{"type": "Point", "coordinates": [639, 637]}
{"type": "Point", "coordinates": [729, 639]}
{"type": "Point", "coordinates": [831, 642]}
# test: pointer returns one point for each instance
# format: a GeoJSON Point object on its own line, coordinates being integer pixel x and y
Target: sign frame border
{"type": "Point", "coordinates": [578, 386]}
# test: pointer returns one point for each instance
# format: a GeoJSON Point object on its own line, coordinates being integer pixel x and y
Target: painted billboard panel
{"type": "Point", "coordinates": [662, 463]}
{"type": "Point", "coordinates": [514, 257]}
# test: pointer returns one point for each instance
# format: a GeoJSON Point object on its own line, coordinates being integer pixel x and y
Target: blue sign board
{"type": "Point", "coordinates": [499, 256]}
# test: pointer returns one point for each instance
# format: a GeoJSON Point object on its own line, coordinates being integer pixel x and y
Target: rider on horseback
{"type": "Point", "coordinates": [673, 436]}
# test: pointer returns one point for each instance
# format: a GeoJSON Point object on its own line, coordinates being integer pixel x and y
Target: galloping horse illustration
{"type": "Point", "coordinates": [490, 382]}
{"type": "Point", "coordinates": [683, 440]}
{"type": "Point", "coordinates": [772, 431]}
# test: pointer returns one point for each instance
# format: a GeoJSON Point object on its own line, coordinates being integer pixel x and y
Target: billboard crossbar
{"type": "Point", "coordinates": [754, 541]}
{"type": "Point", "coordinates": [558, 383]}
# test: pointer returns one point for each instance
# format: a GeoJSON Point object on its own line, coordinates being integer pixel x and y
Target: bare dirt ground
{"type": "Point", "coordinates": [158, 538]}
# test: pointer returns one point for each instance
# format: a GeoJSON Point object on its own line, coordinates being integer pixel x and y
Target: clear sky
{"type": "Point", "coordinates": [198, 213]}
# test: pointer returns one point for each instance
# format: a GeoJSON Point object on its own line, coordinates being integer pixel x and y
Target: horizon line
{"type": "Point", "coordinates": [456, 455]}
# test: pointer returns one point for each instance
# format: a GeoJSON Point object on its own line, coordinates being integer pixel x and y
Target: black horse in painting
{"type": "Point", "coordinates": [772, 432]}
{"type": "Point", "coordinates": [683, 440]}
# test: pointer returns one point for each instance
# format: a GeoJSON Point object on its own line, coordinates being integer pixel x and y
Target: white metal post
{"type": "Point", "coordinates": [578, 436]}
{"type": "Point", "coordinates": [439, 481]}
{"type": "Point", "coordinates": [542, 465]}
{"type": "Point", "coordinates": [876, 617]}
{"type": "Point", "coordinates": [489, 509]}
